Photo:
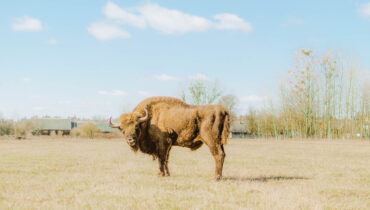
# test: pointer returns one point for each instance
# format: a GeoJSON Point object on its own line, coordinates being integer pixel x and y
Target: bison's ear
{"type": "Point", "coordinates": [145, 118]}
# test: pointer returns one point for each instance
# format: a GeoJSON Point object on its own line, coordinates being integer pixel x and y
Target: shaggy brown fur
{"type": "Point", "coordinates": [172, 122]}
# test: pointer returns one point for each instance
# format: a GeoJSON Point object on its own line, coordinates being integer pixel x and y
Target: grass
{"type": "Point", "coordinates": [258, 174]}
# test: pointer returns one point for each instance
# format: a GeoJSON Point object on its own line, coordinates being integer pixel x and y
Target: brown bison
{"type": "Point", "coordinates": [158, 123]}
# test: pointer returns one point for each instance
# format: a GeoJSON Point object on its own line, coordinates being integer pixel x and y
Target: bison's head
{"type": "Point", "coordinates": [129, 125]}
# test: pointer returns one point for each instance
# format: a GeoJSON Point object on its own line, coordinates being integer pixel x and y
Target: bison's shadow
{"type": "Point", "coordinates": [263, 178]}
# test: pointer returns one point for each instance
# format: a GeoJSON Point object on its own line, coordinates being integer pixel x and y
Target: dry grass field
{"type": "Point", "coordinates": [258, 174]}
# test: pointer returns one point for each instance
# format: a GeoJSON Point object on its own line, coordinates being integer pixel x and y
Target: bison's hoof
{"type": "Point", "coordinates": [160, 174]}
{"type": "Point", "coordinates": [218, 178]}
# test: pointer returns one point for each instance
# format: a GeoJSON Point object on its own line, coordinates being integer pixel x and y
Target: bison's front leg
{"type": "Point", "coordinates": [161, 161]}
{"type": "Point", "coordinates": [166, 170]}
{"type": "Point", "coordinates": [163, 154]}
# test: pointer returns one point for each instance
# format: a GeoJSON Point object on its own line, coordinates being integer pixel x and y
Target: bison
{"type": "Point", "coordinates": [158, 123]}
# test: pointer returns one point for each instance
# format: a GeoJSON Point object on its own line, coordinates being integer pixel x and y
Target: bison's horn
{"type": "Point", "coordinates": [142, 119]}
{"type": "Point", "coordinates": [111, 124]}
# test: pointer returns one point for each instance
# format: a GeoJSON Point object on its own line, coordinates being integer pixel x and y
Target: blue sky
{"type": "Point", "coordinates": [100, 58]}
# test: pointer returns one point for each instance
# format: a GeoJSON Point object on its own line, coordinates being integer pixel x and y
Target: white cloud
{"type": "Point", "coordinates": [199, 76]}
{"type": "Point", "coordinates": [113, 11]}
{"type": "Point", "coordinates": [112, 92]}
{"type": "Point", "coordinates": [26, 79]}
{"type": "Point", "coordinates": [26, 23]}
{"type": "Point", "coordinates": [251, 102]}
{"type": "Point", "coordinates": [252, 99]}
{"type": "Point", "coordinates": [165, 77]}
{"type": "Point", "coordinates": [144, 93]}
{"type": "Point", "coordinates": [169, 21]}
{"type": "Point", "coordinates": [51, 41]}
{"type": "Point", "coordinates": [105, 31]}
{"type": "Point", "coordinates": [364, 10]}
{"type": "Point", "coordinates": [232, 22]}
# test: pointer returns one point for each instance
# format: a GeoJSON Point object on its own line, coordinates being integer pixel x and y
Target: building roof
{"type": "Point", "coordinates": [238, 127]}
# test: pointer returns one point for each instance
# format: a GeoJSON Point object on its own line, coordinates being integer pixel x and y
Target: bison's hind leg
{"type": "Point", "coordinates": [219, 155]}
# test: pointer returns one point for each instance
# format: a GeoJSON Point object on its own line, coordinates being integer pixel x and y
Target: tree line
{"type": "Point", "coordinates": [324, 97]}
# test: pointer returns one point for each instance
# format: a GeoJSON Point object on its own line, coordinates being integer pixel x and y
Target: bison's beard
{"type": "Point", "coordinates": [144, 145]}
{"type": "Point", "coordinates": [135, 147]}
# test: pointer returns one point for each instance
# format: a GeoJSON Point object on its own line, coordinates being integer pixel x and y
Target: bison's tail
{"type": "Point", "coordinates": [226, 129]}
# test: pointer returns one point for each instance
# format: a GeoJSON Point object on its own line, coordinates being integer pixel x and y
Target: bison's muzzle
{"type": "Point", "coordinates": [131, 142]}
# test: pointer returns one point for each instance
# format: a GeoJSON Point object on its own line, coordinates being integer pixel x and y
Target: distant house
{"type": "Point", "coordinates": [58, 125]}
{"type": "Point", "coordinates": [238, 129]}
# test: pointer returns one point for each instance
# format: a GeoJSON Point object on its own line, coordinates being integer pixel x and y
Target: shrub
{"type": "Point", "coordinates": [75, 132]}
{"type": "Point", "coordinates": [23, 129]}
{"type": "Point", "coordinates": [6, 128]}
{"type": "Point", "coordinates": [89, 130]}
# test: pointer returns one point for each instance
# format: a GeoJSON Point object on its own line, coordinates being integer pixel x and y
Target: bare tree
{"type": "Point", "coordinates": [229, 101]}
{"type": "Point", "coordinates": [200, 92]}
{"type": "Point", "coordinates": [252, 123]}
{"type": "Point", "coordinates": [323, 97]}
